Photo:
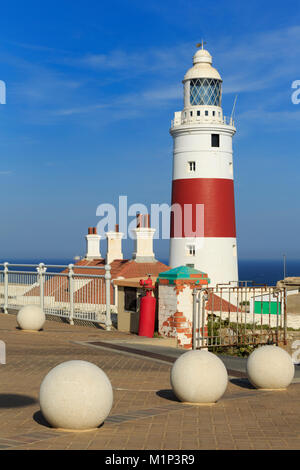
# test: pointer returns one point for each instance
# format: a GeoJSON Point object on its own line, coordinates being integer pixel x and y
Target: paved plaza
{"type": "Point", "coordinates": [145, 414]}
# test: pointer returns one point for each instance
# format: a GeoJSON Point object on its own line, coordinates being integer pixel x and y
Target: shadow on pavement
{"type": "Point", "coordinates": [167, 395]}
{"type": "Point", "coordinates": [242, 383]}
{"type": "Point", "coordinates": [39, 418]}
{"type": "Point", "coordinates": [11, 400]}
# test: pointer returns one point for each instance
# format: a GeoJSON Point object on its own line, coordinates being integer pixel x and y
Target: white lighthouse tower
{"type": "Point", "coordinates": [203, 233]}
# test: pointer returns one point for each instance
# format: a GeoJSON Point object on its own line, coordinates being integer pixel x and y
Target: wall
{"type": "Point", "coordinates": [175, 311]}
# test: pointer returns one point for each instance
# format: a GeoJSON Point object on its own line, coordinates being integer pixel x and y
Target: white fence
{"type": "Point", "coordinates": [69, 293]}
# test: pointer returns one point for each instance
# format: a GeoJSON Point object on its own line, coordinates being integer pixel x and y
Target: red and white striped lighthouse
{"type": "Point", "coordinates": [203, 233]}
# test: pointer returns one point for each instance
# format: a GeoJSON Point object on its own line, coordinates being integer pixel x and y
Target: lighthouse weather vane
{"type": "Point", "coordinates": [201, 44]}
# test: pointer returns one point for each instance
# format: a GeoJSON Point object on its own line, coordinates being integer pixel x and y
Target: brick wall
{"type": "Point", "coordinates": [175, 311]}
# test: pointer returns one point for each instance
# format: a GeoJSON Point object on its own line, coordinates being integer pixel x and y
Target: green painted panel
{"type": "Point", "coordinates": [183, 272]}
{"type": "Point", "coordinates": [267, 307]}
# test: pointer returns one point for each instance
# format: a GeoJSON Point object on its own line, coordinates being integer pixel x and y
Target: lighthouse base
{"type": "Point", "coordinates": [215, 256]}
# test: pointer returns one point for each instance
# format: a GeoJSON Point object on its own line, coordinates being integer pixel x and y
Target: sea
{"type": "Point", "coordinates": [260, 271]}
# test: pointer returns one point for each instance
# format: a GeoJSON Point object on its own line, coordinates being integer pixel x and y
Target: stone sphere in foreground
{"type": "Point", "coordinates": [31, 317]}
{"type": "Point", "coordinates": [199, 377]}
{"type": "Point", "coordinates": [270, 367]}
{"type": "Point", "coordinates": [76, 395]}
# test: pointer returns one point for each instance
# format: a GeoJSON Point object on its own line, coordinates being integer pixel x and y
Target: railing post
{"type": "Point", "coordinates": [107, 276]}
{"type": "Point", "coordinates": [194, 316]}
{"type": "Point", "coordinates": [71, 292]}
{"type": "Point", "coordinates": [203, 317]}
{"type": "Point", "coordinates": [5, 306]}
{"type": "Point", "coordinates": [116, 297]}
{"type": "Point", "coordinates": [41, 269]}
{"type": "Point", "coordinates": [284, 317]}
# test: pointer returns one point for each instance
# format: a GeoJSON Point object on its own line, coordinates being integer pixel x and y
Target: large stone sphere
{"type": "Point", "coordinates": [76, 395]}
{"type": "Point", "coordinates": [31, 317]}
{"type": "Point", "coordinates": [199, 377]}
{"type": "Point", "coordinates": [270, 367]}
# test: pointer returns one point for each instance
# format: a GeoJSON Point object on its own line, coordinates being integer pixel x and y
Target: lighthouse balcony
{"type": "Point", "coordinates": [203, 116]}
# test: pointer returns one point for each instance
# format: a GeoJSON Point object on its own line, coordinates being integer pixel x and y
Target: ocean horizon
{"type": "Point", "coordinates": [260, 271]}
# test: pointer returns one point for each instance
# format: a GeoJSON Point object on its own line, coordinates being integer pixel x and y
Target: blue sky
{"type": "Point", "coordinates": [91, 90]}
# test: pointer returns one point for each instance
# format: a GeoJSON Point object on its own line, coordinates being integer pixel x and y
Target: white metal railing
{"type": "Point", "coordinates": [228, 315]}
{"type": "Point", "coordinates": [201, 120]}
{"type": "Point", "coordinates": [69, 293]}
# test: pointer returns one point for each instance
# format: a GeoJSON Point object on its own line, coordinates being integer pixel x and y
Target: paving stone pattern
{"type": "Point", "coordinates": [145, 414]}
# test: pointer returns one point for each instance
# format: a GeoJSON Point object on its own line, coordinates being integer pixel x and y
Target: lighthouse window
{"type": "Point", "coordinates": [192, 166]}
{"type": "Point", "coordinates": [205, 91]}
{"type": "Point", "coordinates": [198, 113]}
{"type": "Point", "coordinates": [206, 113]}
{"type": "Point", "coordinates": [215, 140]}
{"type": "Point", "coordinates": [191, 113]}
{"type": "Point", "coordinates": [191, 250]}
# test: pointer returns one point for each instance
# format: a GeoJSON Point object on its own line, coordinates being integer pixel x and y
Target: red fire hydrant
{"type": "Point", "coordinates": [147, 309]}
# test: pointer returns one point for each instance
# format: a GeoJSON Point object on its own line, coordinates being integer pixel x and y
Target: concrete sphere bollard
{"type": "Point", "coordinates": [76, 395]}
{"type": "Point", "coordinates": [199, 377]}
{"type": "Point", "coordinates": [31, 317]}
{"type": "Point", "coordinates": [270, 367]}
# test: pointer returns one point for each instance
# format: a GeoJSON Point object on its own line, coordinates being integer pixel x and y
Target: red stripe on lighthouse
{"type": "Point", "coordinates": [217, 196]}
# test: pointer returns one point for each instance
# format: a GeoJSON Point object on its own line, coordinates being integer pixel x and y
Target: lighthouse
{"type": "Point", "coordinates": [203, 231]}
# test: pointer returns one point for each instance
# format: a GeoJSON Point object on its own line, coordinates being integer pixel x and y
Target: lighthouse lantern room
{"type": "Point", "coordinates": [203, 232]}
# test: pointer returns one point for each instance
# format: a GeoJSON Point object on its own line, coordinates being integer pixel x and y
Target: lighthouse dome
{"type": "Point", "coordinates": [202, 82]}
{"type": "Point", "coordinates": [202, 67]}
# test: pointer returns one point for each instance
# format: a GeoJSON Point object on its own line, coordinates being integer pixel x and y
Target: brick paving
{"type": "Point", "coordinates": [145, 414]}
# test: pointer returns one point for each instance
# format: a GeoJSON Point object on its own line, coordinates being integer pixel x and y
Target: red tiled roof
{"type": "Point", "coordinates": [119, 268]}
{"type": "Point", "coordinates": [218, 304]}
{"type": "Point", "coordinates": [94, 290]}
{"type": "Point", "coordinates": [126, 268]}
{"type": "Point", "coordinates": [133, 269]}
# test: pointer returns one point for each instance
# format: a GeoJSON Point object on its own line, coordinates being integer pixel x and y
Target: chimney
{"type": "Point", "coordinates": [143, 240]}
{"type": "Point", "coordinates": [114, 245]}
{"type": "Point", "coordinates": [92, 244]}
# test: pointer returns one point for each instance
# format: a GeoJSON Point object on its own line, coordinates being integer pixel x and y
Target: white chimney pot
{"type": "Point", "coordinates": [114, 246]}
{"type": "Point", "coordinates": [93, 246]}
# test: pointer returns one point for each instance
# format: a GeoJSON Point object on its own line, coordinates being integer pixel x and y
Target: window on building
{"type": "Point", "coordinates": [191, 113]}
{"type": "Point", "coordinates": [192, 166]}
{"type": "Point", "coordinates": [215, 140]}
{"type": "Point", "coordinates": [206, 113]}
{"type": "Point", "coordinates": [214, 113]}
{"type": "Point", "coordinates": [130, 299]}
{"type": "Point", "coordinates": [198, 113]}
{"type": "Point", "coordinates": [191, 250]}
{"type": "Point", "coordinates": [190, 265]}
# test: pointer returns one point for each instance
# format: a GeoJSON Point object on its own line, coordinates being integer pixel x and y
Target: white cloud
{"type": "Point", "coordinates": [162, 60]}
{"type": "Point", "coordinates": [264, 61]}
{"type": "Point", "coordinates": [79, 110]}
{"type": "Point", "coordinates": [260, 61]}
